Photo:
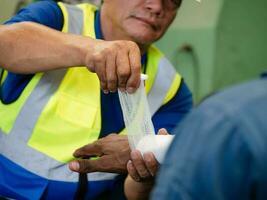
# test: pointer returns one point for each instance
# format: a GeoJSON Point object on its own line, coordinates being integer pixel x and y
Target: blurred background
{"type": "Point", "coordinates": [213, 44]}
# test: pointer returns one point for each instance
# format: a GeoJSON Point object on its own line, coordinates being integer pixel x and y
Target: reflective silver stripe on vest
{"type": "Point", "coordinates": [75, 19]}
{"type": "Point", "coordinates": [14, 145]}
{"type": "Point", "coordinates": [163, 81]}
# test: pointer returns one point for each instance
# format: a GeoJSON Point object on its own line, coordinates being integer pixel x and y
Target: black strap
{"type": "Point", "coordinates": [1, 74]}
{"type": "Point", "coordinates": [82, 187]}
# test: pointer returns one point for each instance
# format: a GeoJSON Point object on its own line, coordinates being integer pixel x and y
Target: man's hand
{"type": "Point", "coordinates": [117, 64]}
{"type": "Point", "coordinates": [141, 173]}
{"type": "Point", "coordinates": [144, 168]}
{"type": "Point", "coordinates": [113, 151]}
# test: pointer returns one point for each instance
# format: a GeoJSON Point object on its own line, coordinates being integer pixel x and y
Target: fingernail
{"type": "Point", "coordinates": [130, 90]}
{"type": "Point", "coordinates": [105, 91]}
{"type": "Point", "coordinates": [74, 166]}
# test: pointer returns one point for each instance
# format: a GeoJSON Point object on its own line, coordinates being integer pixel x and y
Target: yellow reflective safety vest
{"type": "Point", "coordinates": [60, 111]}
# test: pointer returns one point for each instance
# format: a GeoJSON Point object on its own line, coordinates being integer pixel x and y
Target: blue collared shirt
{"type": "Point", "coordinates": [220, 149]}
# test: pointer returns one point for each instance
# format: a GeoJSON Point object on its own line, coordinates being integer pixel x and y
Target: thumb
{"type": "Point", "coordinates": [163, 131]}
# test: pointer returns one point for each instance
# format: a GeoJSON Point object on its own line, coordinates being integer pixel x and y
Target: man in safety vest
{"type": "Point", "coordinates": [59, 102]}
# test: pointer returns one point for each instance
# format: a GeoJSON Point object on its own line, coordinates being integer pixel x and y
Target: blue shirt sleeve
{"type": "Point", "coordinates": [47, 13]}
{"type": "Point", "coordinates": [169, 115]}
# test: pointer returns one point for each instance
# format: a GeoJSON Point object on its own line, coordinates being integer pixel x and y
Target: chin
{"type": "Point", "coordinates": [144, 37]}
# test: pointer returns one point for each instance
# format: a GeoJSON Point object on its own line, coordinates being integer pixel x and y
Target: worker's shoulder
{"type": "Point", "coordinates": [243, 99]}
{"type": "Point", "coordinates": [41, 7]}
{"type": "Point", "coordinates": [47, 13]}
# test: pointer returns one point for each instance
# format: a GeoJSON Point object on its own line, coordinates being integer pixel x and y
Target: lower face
{"type": "Point", "coordinates": [138, 23]}
{"type": "Point", "coordinates": [140, 31]}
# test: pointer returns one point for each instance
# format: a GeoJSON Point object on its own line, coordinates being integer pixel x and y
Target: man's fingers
{"type": "Point", "coordinates": [139, 164]}
{"type": "Point", "coordinates": [135, 66]}
{"type": "Point", "coordinates": [83, 166]}
{"type": "Point", "coordinates": [111, 73]}
{"type": "Point", "coordinates": [123, 68]}
{"type": "Point", "coordinates": [88, 150]}
{"type": "Point", "coordinates": [100, 69]}
{"type": "Point", "coordinates": [163, 131]}
{"type": "Point", "coordinates": [151, 163]}
{"type": "Point", "coordinates": [132, 171]}
{"type": "Point", "coordinates": [117, 64]}
{"type": "Point", "coordinates": [102, 164]}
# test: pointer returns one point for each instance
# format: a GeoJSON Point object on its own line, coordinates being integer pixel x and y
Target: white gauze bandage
{"type": "Point", "coordinates": [137, 119]}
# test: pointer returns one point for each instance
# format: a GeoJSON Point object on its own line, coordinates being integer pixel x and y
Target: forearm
{"type": "Point", "coordinates": [28, 47]}
{"type": "Point", "coordinates": [137, 190]}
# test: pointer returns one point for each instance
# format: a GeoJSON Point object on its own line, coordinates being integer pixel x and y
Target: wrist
{"type": "Point", "coordinates": [80, 46]}
{"type": "Point", "coordinates": [137, 190]}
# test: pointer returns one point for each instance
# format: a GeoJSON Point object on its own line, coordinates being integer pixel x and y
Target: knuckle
{"type": "Point", "coordinates": [98, 58]}
{"type": "Point", "coordinates": [132, 44]}
{"type": "Point", "coordinates": [117, 45]}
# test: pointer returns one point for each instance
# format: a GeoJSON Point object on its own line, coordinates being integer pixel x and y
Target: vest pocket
{"type": "Point", "coordinates": [66, 123]}
{"type": "Point", "coordinates": [75, 111]}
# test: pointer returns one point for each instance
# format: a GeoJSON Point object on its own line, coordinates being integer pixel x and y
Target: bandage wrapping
{"type": "Point", "coordinates": [136, 115]}
{"type": "Point", "coordinates": [139, 126]}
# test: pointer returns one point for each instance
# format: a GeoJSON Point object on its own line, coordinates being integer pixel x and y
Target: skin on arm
{"type": "Point", "coordinates": [28, 47]}
{"type": "Point", "coordinates": [137, 191]}
{"type": "Point", "coordinates": [141, 174]}
{"type": "Point", "coordinates": [141, 178]}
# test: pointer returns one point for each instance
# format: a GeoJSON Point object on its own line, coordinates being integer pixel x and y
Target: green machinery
{"type": "Point", "coordinates": [217, 43]}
